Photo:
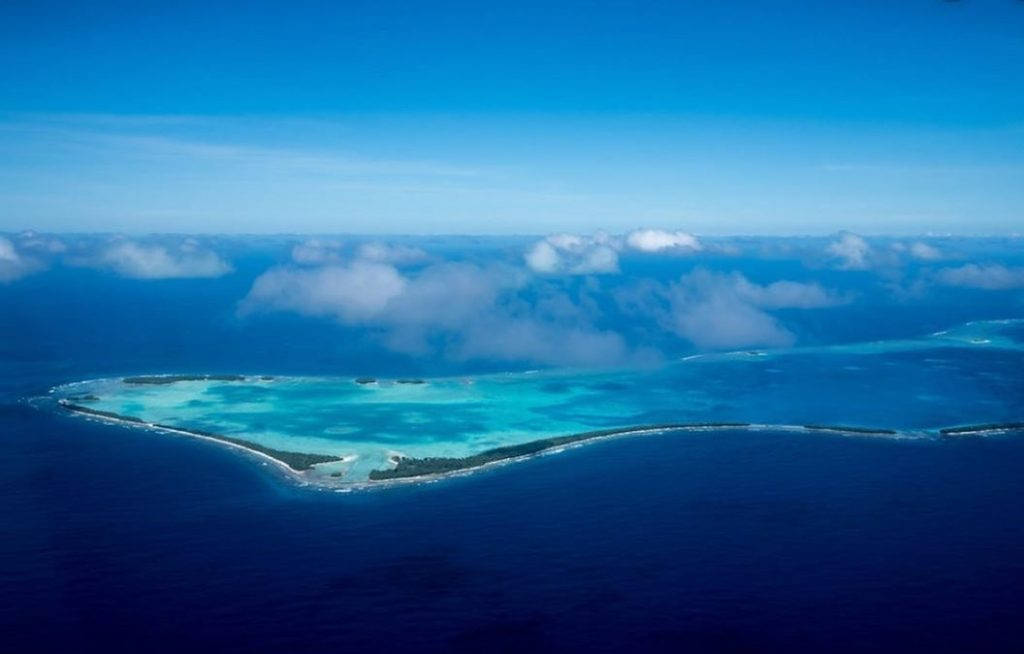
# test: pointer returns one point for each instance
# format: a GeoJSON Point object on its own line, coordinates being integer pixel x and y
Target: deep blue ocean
{"type": "Point", "coordinates": [117, 540]}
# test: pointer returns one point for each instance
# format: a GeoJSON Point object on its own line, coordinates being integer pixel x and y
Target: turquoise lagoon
{"type": "Point", "coordinates": [966, 375]}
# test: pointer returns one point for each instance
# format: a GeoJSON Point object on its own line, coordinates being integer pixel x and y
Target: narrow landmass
{"type": "Point", "coordinates": [366, 380]}
{"type": "Point", "coordinates": [297, 461]}
{"type": "Point", "coordinates": [849, 429]}
{"type": "Point", "coordinates": [410, 381]}
{"type": "Point", "coordinates": [97, 412]}
{"type": "Point", "coordinates": [411, 467]}
{"type": "Point", "coordinates": [980, 429]}
{"type": "Point", "coordinates": [406, 467]}
{"type": "Point", "coordinates": [170, 379]}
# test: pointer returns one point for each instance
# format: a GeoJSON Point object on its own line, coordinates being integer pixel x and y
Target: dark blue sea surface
{"type": "Point", "coordinates": [116, 540]}
{"type": "Point", "coordinates": [119, 540]}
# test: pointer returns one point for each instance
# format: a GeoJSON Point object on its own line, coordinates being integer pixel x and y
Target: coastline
{"type": "Point", "coordinates": [238, 444]}
{"type": "Point", "coordinates": [445, 467]}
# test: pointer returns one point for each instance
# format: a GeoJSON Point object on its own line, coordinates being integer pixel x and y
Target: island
{"type": "Point", "coordinates": [297, 461]}
{"type": "Point", "coordinates": [846, 429]}
{"type": "Point", "coordinates": [968, 430]}
{"type": "Point", "coordinates": [408, 467]}
{"type": "Point", "coordinates": [357, 431]}
{"type": "Point", "coordinates": [157, 380]}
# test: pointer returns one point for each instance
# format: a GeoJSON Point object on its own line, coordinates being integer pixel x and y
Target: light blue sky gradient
{"type": "Point", "coordinates": [718, 118]}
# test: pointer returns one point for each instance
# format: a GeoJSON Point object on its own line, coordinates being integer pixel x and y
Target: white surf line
{"type": "Point", "coordinates": [298, 474]}
{"type": "Point", "coordinates": [304, 477]}
{"type": "Point", "coordinates": [639, 431]}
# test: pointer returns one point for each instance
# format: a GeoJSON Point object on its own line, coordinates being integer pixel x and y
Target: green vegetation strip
{"type": "Point", "coordinates": [96, 412]}
{"type": "Point", "coordinates": [297, 461]}
{"type": "Point", "coordinates": [977, 429]}
{"type": "Point", "coordinates": [156, 380]}
{"type": "Point", "coordinates": [410, 467]}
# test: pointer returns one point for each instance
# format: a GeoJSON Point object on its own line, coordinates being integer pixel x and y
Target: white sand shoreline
{"type": "Point", "coordinates": [339, 484]}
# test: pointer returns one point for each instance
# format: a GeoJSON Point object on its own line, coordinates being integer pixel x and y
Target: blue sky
{"type": "Point", "coordinates": [717, 118]}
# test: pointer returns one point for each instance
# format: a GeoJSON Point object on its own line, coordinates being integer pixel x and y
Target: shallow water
{"type": "Point", "coordinates": [966, 375]}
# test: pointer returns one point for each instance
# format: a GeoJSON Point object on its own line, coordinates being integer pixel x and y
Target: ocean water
{"type": "Point", "coordinates": [122, 540]}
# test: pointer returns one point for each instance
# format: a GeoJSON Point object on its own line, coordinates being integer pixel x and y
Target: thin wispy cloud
{"type": "Point", "coordinates": [139, 137]}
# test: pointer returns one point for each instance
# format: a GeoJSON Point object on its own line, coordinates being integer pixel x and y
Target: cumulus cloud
{"type": "Point", "coordinates": [40, 243]}
{"type": "Point", "coordinates": [714, 310]}
{"type": "Point", "coordinates": [543, 258]}
{"type": "Point", "coordinates": [316, 251]}
{"type": "Point", "coordinates": [351, 293]}
{"type": "Point", "coordinates": [991, 277]}
{"type": "Point", "coordinates": [852, 251]}
{"type": "Point", "coordinates": [782, 294]}
{"type": "Point", "coordinates": [657, 240]}
{"type": "Point", "coordinates": [722, 321]}
{"type": "Point", "coordinates": [721, 311]}
{"type": "Point", "coordinates": [7, 252]}
{"type": "Point", "coordinates": [924, 252]}
{"type": "Point", "coordinates": [460, 310]}
{"type": "Point", "coordinates": [574, 254]}
{"type": "Point", "coordinates": [26, 253]}
{"type": "Point", "coordinates": [494, 311]}
{"type": "Point", "coordinates": [140, 261]}
{"type": "Point", "coordinates": [571, 254]}
{"type": "Point", "coordinates": [14, 265]}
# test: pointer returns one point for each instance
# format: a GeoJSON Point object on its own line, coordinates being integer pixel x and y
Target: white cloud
{"type": "Point", "coordinates": [14, 265]}
{"type": "Point", "coordinates": [657, 240]}
{"type": "Point", "coordinates": [543, 258]}
{"type": "Point", "coordinates": [139, 261]}
{"type": "Point", "coordinates": [852, 250]}
{"type": "Point", "coordinates": [924, 252]}
{"type": "Point", "coordinates": [784, 294]}
{"type": "Point", "coordinates": [316, 251]}
{"type": "Point", "coordinates": [571, 254]}
{"type": "Point", "coordinates": [992, 277]}
{"type": "Point", "coordinates": [721, 321]}
{"type": "Point", "coordinates": [462, 310]}
{"type": "Point", "coordinates": [722, 311]}
{"type": "Point", "coordinates": [354, 293]}
{"type": "Point", "coordinates": [714, 310]}
{"type": "Point", "coordinates": [47, 245]}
